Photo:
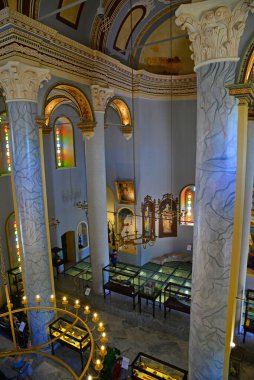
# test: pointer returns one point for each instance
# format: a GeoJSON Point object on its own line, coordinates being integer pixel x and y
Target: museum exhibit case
{"type": "Point", "coordinates": [177, 297]}
{"type": "Point", "coordinates": [150, 291]}
{"type": "Point", "coordinates": [121, 279]}
{"type": "Point", "coordinates": [15, 283]}
{"type": "Point", "coordinates": [146, 367]}
{"type": "Point", "coordinates": [248, 324]}
{"type": "Point", "coordinates": [74, 337]}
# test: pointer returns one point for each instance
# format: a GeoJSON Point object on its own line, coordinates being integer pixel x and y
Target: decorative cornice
{"type": "Point", "coordinates": [100, 97]}
{"type": "Point", "coordinates": [214, 30]}
{"type": "Point", "coordinates": [26, 39]}
{"type": "Point", "coordinates": [21, 82]}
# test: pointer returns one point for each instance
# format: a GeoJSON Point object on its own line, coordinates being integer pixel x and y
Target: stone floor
{"type": "Point", "coordinates": [130, 332]}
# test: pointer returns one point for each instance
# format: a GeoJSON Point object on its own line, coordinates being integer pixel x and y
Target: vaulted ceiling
{"type": "Point", "coordinates": [139, 33]}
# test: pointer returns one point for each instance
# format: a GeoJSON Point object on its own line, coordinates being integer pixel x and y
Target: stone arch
{"type": "Point", "coordinates": [64, 93]}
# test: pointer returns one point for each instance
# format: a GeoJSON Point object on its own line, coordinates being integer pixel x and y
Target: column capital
{"type": "Point", "coordinates": [41, 122]}
{"type": "Point", "coordinates": [21, 81]}
{"type": "Point", "coordinates": [100, 96]}
{"type": "Point", "coordinates": [214, 29]}
{"type": "Point", "coordinates": [243, 92]}
{"type": "Point", "coordinates": [87, 128]}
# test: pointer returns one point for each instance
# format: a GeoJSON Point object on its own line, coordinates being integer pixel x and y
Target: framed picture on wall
{"type": "Point", "coordinates": [126, 226]}
{"type": "Point", "coordinates": [168, 216]}
{"type": "Point", "coordinates": [125, 192]}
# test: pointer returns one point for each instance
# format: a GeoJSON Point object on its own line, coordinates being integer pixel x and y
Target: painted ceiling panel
{"type": "Point", "coordinates": [70, 16]}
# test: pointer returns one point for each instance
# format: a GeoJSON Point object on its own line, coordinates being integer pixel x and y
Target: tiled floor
{"type": "Point", "coordinates": [130, 332]}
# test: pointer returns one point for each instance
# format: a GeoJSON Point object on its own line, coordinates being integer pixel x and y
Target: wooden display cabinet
{"type": "Point", "coordinates": [121, 279]}
{"type": "Point", "coordinates": [76, 338]}
{"type": "Point", "coordinates": [146, 367]}
{"type": "Point", "coordinates": [248, 325]}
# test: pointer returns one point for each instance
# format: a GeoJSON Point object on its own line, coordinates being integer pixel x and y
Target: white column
{"type": "Point", "coordinates": [96, 189]}
{"type": "Point", "coordinates": [215, 34]}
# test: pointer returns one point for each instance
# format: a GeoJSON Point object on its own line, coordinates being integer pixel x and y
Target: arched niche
{"type": "Point", "coordinates": [126, 222]}
{"type": "Point", "coordinates": [82, 235]}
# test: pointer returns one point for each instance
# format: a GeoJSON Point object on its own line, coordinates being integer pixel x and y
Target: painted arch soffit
{"type": "Point", "coordinates": [122, 109]}
{"type": "Point", "coordinates": [63, 92]}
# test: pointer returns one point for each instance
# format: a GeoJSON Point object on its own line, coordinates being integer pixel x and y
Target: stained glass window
{"type": "Point", "coordinates": [187, 198]}
{"type": "Point", "coordinates": [64, 143]}
{"type": "Point", "coordinates": [13, 240]}
{"type": "Point", "coordinates": [5, 154]}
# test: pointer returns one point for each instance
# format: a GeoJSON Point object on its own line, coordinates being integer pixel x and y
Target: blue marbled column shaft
{"type": "Point", "coordinates": [214, 213]}
{"type": "Point", "coordinates": [31, 213]}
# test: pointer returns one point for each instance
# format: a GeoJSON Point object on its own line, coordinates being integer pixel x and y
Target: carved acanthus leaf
{"type": "Point", "coordinates": [100, 96]}
{"type": "Point", "coordinates": [214, 33]}
{"type": "Point", "coordinates": [22, 82]}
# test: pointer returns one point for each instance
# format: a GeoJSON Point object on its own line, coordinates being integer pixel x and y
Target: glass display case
{"type": "Point", "coordinates": [121, 279]}
{"type": "Point", "coordinates": [75, 337]}
{"type": "Point", "coordinates": [146, 367]}
{"type": "Point", "coordinates": [15, 283]}
{"type": "Point", "coordinates": [150, 291]}
{"type": "Point", "coordinates": [177, 297]}
{"type": "Point", "coordinates": [248, 325]}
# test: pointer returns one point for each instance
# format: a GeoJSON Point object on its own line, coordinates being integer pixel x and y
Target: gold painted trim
{"type": "Point", "coordinates": [237, 231]}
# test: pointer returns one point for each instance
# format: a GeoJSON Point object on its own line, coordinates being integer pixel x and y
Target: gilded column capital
{"type": "Point", "coordinates": [21, 81]}
{"type": "Point", "coordinates": [42, 124]}
{"type": "Point", "coordinates": [100, 96]}
{"type": "Point", "coordinates": [214, 29]}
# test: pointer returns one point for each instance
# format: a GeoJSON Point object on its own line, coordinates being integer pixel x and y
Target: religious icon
{"type": "Point", "coordinates": [148, 217]}
{"type": "Point", "coordinates": [168, 216]}
{"type": "Point", "coordinates": [125, 192]}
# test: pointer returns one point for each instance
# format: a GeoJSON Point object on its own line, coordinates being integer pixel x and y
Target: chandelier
{"type": "Point", "coordinates": [53, 222]}
{"type": "Point", "coordinates": [89, 323]}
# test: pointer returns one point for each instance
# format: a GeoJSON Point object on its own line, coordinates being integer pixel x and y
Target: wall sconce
{"type": "Point", "coordinates": [53, 222]}
{"type": "Point", "coordinates": [83, 206]}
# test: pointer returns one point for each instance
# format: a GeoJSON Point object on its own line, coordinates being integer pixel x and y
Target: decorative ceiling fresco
{"type": "Point", "coordinates": [140, 33]}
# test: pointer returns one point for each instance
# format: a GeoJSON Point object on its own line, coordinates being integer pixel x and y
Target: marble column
{"type": "Point", "coordinates": [214, 32]}
{"type": "Point", "coordinates": [20, 83]}
{"type": "Point", "coordinates": [96, 188]}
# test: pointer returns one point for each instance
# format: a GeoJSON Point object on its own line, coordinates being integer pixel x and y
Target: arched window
{"type": "Point", "coordinates": [12, 241]}
{"type": "Point", "coordinates": [64, 143]}
{"type": "Point", "coordinates": [82, 235]}
{"type": "Point", "coordinates": [5, 155]}
{"type": "Point", "coordinates": [187, 198]}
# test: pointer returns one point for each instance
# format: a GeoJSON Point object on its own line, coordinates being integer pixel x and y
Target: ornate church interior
{"type": "Point", "coordinates": [126, 182]}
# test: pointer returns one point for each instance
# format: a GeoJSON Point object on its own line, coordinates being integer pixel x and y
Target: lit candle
{"type": "Point", "coordinates": [104, 338]}
{"type": "Point", "coordinates": [76, 305]}
{"type": "Point", "coordinates": [52, 298]}
{"type": "Point", "coordinates": [64, 301]}
{"type": "Point", "coordinates": [101, 327]}
{"type": "Point", "coordinates": [86, 310]}
{"type": "Point", "coordinates": [89, 377]}
{"type": "Point", "coordinates": [103, 351]}
{"type": "Point", "coordinates": [24, 300]}
{"type": "Point", "coordinates": [38, 298]}
{"type": "Point", "coordinates": [95, 317]}
{"type": "Point", "coordinates": [98, 365]}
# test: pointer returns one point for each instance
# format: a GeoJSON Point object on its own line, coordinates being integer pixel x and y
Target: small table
{"type": "Point", "coordinates": [149, 297]}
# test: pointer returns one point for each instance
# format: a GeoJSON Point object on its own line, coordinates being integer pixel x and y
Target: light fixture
{"type": "Point", "coordinates": [53, 222]}
{"type": "Point", "coordinates": [83, 205]}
